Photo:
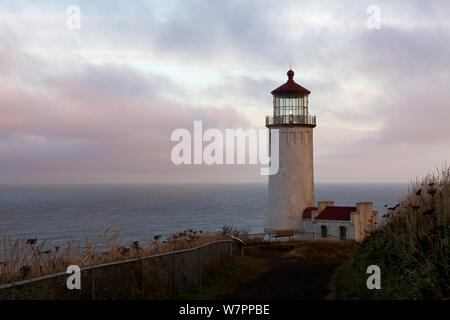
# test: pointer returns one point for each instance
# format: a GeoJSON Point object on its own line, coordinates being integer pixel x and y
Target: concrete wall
{"type": "Point", "coordinates": [308, 230]}
{"type": "Point", "coordinates": [365, 220]}
{"type": "Point", "coordinates": [313, 229]}
{"type": "Point", "coordinates": [291, 190]}
{"type": "Point", "coordinates": [357, 226]}
{"type": "Point", "coordinates": [333, 228]}
{"type": "Point", "coordinates": [364, 211]}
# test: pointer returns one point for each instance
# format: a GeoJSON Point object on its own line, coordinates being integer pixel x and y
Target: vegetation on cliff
{"type": "Point", "coordinates": [22, 259]}
{"type": "Point", "coordinates": [411, 248]}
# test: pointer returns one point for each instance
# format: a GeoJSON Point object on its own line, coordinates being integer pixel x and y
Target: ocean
{"type": "Point", "coordinates": [63, 213]}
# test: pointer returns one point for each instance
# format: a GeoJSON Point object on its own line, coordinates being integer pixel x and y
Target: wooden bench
{"type": "Point", "coordinates": [282, 234]}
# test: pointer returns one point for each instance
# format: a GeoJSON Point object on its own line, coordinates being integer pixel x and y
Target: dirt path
{"type": "Point", "coordinates": [286, 278]}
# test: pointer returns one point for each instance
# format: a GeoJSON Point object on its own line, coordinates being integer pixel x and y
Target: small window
{"type": "Point", "coordinates": [286, 138]}
{"type": "Point", "coordinates": [293, 140]}
{"type": "Point", "coordinates": [324, 231]}
{"type": "Point", "coordinates": [342, 233]}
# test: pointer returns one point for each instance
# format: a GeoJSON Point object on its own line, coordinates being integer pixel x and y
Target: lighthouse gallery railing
{"type": "Point", "coordinates": [291, 119]}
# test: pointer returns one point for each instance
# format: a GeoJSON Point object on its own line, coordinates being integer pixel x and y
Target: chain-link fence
{"type": "Point", "coordinates": [161, 276]}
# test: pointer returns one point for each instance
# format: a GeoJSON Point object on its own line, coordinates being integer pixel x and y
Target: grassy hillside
{"type": "Point", "coordinates": [411, 248]}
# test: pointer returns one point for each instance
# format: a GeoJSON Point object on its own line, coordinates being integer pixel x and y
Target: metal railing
{"type": "Point", "coordinates": [291, 119]}
{"type": "Point", "coordinates": [159, 276]}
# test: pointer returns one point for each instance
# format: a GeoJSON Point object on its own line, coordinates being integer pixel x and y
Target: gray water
{"type": "Point", "coordinates": [76, 212]}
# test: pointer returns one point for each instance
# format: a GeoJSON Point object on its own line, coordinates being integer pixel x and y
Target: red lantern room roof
{"type": "Point", "coordinates": [291, 86]}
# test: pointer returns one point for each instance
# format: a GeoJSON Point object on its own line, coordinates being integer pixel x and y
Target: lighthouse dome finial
{"type": "Point", "coordinates": [290, 86]}
{"type": "Point", "coordinates": [290, 74]}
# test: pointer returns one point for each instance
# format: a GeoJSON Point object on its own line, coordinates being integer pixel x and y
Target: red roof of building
{"type": "Point", "coordinates": [308, 212]}
{"type": "Point", "coordinates": [336, 213]}
{"type": "Point", "coordinates": [291, 86]}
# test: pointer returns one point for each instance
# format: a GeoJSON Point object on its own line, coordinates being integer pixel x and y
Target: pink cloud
{"type": "Point", "coordinates": [100, 123]}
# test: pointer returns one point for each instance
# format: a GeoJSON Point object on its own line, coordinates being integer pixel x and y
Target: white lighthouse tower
{"type": "Point", "coordinates": [291, 190]}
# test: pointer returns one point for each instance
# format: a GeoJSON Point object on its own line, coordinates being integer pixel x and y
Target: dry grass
{"type": "Point", "coordinates": [323, 251]}
{"type": "Point", "coordinates": [411, 247]}
{"type": "Point", "coordinates": [419, 224]}
{"type": "Point", "coordinates": [21, 259]}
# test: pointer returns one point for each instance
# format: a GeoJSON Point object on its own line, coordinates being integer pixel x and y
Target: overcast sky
{"type": "Point", "coordinates": [99, 104]}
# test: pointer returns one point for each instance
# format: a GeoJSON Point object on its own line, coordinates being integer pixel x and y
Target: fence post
{"type": "Point", "coordinates": [93, 283]}
{"type": "Point", "coordinates": [199, 268]}
{"type": "Point", "coordinates": [141, 280]}
{"type": "Point", "coordinates": [173, 275]}
{"type": "Point", "coordinates": [217, 255]}
{"type": "Point", "coordinates": [13, 292]}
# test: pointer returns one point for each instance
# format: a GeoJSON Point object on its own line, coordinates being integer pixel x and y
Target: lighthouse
{"type": "Point", "coordinates": [291, 190]}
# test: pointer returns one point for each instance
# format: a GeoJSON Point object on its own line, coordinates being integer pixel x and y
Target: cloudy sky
{"type": "Point", "coordinates": [99, 104]}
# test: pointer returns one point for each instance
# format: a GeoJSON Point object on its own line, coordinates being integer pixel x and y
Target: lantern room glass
{"type": "Point", "coordinates": [290, 106]}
